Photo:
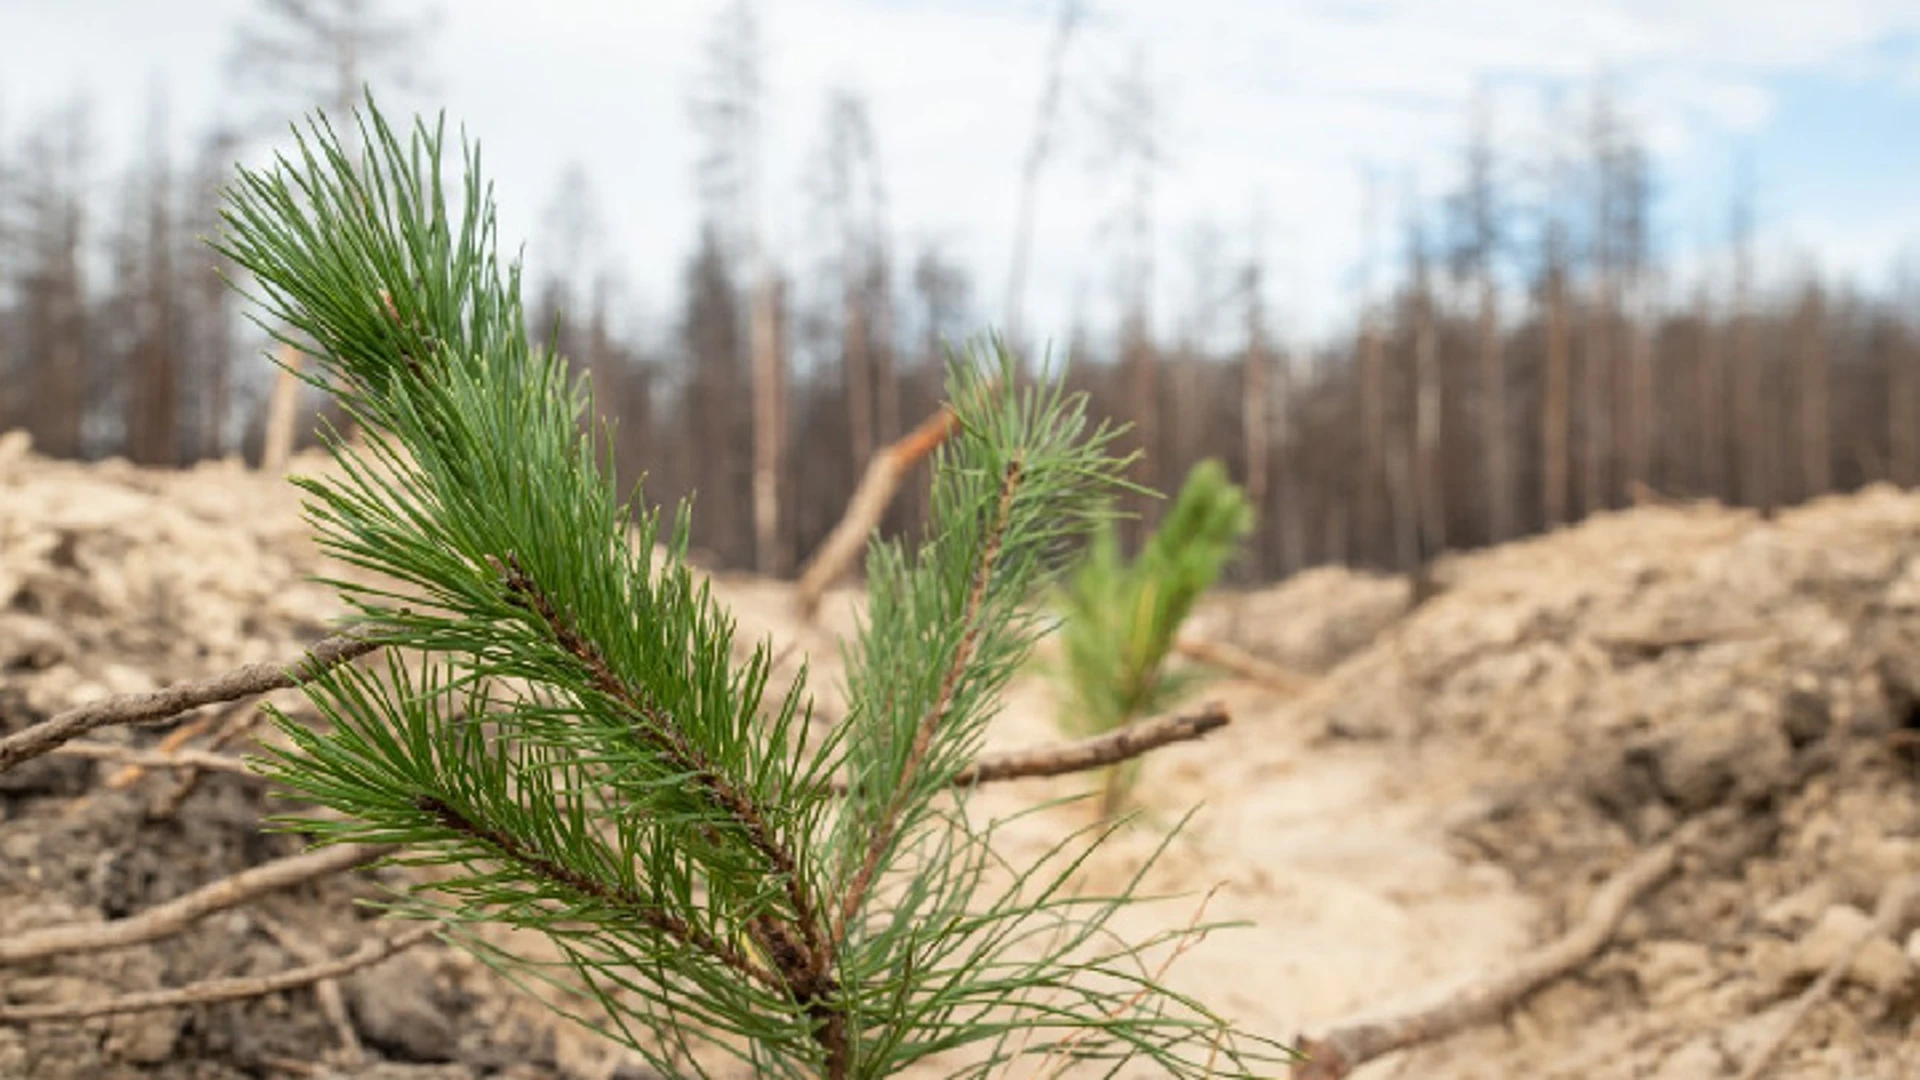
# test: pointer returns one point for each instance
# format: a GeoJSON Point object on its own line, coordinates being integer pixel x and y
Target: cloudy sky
{"type": "Point", "coordinates": [1269, 113]}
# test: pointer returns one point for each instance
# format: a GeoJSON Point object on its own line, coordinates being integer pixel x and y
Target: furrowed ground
{"type": "Point", "coordinates": [1441, 789]}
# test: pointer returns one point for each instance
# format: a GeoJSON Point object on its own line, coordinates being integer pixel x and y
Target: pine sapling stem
{"type": "Point", "coordinates": [884, 831]}
{"type": "Point", "coordinates": [801, 951]}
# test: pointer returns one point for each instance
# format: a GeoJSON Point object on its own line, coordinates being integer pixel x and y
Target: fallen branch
{"type": "Point", "coordinates": [184, 759]}
{"type": "Point", "coordinates": [217, 990]}
{"type": "Point", "coordinates": [178, 698]}
{"type": "Point", "coordinates": [1110, 748]}
{"type": "Point", "coordinates": [869, 503]}
{"type": "Point", "coordinates": [1349, 1046]}
{"type": "Point", "coordinates": [177, 914]}
{"type": "Point", "coordinates": [242, 719]}
{"type": "Point", "coordinates": [332, 1002]}
{"type": "Point", "coordinates": [1896, 900]}
{"type": "Point", "coordinates": [1244, 664]}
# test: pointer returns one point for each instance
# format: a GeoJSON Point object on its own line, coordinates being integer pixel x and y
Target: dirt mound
{"type": "Point", "coordinates": [1582, 694]}
{"type": "Point", "coordinates": [1448, 793]}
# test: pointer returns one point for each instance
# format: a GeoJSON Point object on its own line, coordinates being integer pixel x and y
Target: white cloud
{"type": "Point", "coordinates": [1275, 103]}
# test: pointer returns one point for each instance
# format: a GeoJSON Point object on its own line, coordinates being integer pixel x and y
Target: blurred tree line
{"type": "Point", "coordinates": [1529, 363]}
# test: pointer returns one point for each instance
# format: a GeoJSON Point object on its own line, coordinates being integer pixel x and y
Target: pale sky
{"type": "Point", "coordinates": [1270, 112]}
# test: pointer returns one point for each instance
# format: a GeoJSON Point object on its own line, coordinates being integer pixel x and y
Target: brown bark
{"type": "Point", "coordinates": [1816, 436]}
{"type": "Point", "coordinates": [1493, 413]}
{"type": "Point", "coordinates": [1556, 405]}
{"type": "Point", "coordinates": [1903, 406]}
{"type": "Point", "coordinates": [1429, 468]}
{"type": "Point", "coordinates": [1596, 367]}
{"type": "Point", "coordinates": [1368, 492]}
{"type": "Point", "coordinates": [1710, 382]}
{"type": "Point", "coordinates": [1640, 426]}
{"type": "Point", "coordinates": [1256, 402]}
{"type": "Point", "coordinates": [769, 424]}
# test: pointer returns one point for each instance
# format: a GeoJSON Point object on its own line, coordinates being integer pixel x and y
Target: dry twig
{"type": "Point", "coordinates": [1349, 1046]}
{"type": "Point", "coordinates": [178, 698]}
{"type": "Point", "coordinates": [136, 757]}
{"type": "Point", "coordinates": [332, 1002]}
{"type": "Point", "coordinates": [177, 914]}
{"type": "Point", "coordinates": [1896, 900]}
{"type": "Point", "coordinates": [869, 503]}
{"type": "Point", "coordinates": [213, 991]}
{"type": "Point", "coordinates": [1108, 748]}
{"type": "Point", "coordinates": [1098, 751]}
{"type": "Point", "coordinates": [1244, 664]}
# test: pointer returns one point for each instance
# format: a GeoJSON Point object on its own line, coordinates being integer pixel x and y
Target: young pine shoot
{"type": "Point", "coordinates": [560, 726]}
{"type": "Point", "coordinates": [1120, 618]}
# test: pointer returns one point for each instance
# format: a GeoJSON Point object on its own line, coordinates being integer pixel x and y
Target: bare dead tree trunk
{"type": "Point", "coordinates": [1597, 429]}
{"type": "Point", "coordinates": [1373, 438]}
{"type": "Point", "coordinates": [1710, 387]}
{"type": "Point", "coordinates": [60, 401]}
{"type": "Point", "coordinates": [1256, 403]}
{"type": "Point", "coordinates": [1289, 488]}
{"type": "Point", "coordinates": [1903, 417]}
{"type": "Point", "coordinates": [1640, 418]}
{"type": "Point", "coordinates": [1556, 406]}
{"type": "Point", "coordinates": [1143, 404]}
{"type": "Point", "coordinates": [1430, 469]}
{"type": "Point", "coordinates": [1493, 412]}
{"type": "Point", "coordinates": [857, 369]}
{"type": "Point", "coordinates": [1816, 439]}
{"type": "Point", "coordinates": [769, 424]}
{"type": "Point", "coordinates": [1045, 115]}
{"type": "Point", "coordinates": [1755, 452]}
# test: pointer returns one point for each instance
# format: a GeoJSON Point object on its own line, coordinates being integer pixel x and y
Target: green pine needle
{"type": "Point", "coordinates": [561, 726]}
{"type": "Point", "coordinates": [1121, 618]}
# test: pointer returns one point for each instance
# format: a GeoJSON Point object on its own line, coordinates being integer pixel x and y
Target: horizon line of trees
{"type": "Point", "coordinates": [1529, 364]}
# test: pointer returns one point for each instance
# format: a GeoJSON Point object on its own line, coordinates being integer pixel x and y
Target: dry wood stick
{"type": "Point", "coordinates": [175, 739]}
{"type": "Point", "coordinates": [213, 991]}
{"type": "Point", "coordinates": [178, 698]}
{"type": "Point", "coordinates": [332, 1002]}
{"type": "Point", "coordinates": [177, 914]}
{"type": "Point", "coordinates": [238, 720]}
{"type": "Point", "coordinates": [869, 503]}
{"type": "Point", "coordinates": [1244, 664]}
{"type": "Point", "coordinates": [1351, 1045]}
{"type": "Point", "coordinates": [1096, 751]}
{"type": "Point", "coordinates": [1896, 900]}
{"type": "Point", "coordinates": [186, 759]}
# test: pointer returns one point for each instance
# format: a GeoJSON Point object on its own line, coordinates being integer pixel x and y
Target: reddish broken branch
{"type": "Point", "coordinates": [869, 503]}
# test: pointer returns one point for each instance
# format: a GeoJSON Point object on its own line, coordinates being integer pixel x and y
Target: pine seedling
{"type": "Point", "coordinates": [561, 729]}
{"type": "Point", "coordinates": [1120, 618]}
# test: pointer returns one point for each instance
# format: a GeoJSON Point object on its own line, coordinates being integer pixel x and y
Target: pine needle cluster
{"type": "Point", "coordinates": [1121, 617]}
{"type": "Point", "coordinates": [561, 727]}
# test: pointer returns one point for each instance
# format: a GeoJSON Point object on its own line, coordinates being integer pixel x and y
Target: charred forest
{"type": "Point", "coordinates": [1524, 351]}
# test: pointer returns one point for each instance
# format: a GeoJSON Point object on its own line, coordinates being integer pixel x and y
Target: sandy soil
{"type": "Point", "coordinates": [1450, 791]}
